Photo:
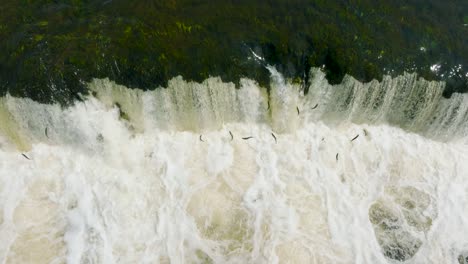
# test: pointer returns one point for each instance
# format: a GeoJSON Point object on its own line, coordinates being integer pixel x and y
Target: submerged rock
{"type": "Point", "coordinates": [401, 245]}
{"type": "Point", "coordinates": [401, 219]}
{"type": "Point", "coordinates": [463, 258]}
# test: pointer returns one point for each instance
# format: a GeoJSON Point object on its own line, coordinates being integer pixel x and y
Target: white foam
{"type": "Point", "coordinates": [104, 188]}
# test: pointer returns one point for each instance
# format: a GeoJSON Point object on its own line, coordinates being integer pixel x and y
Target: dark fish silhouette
{"type": "Point", "coordinates": [45, 132]}
{"type": "Point", "coordinates": [201, 138]}
{"type": "Point", "coordinates": [336, 156]}
{"type": "Point", "coordinates": [245, 138]}
{"type": "Point", "coordinates": [268, 105]}
{"type": "Point", "coordinates": [232, 136]}
{"type": "Point", "coordinates": [24, 155]}
{"type": "Point", "coordinates": [365, 132]}
{"type": "Point", "coordinates": [298, 112]}
{"type": "Point", "coordinates": [355, 137]}
{"type": "Point", "coordinates": [273, 135]}
{"type": "Point", "coordinates": [315, 106]}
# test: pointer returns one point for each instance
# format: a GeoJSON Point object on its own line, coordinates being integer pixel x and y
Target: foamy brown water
{"type": "Point", "coordinates": [136, 184]}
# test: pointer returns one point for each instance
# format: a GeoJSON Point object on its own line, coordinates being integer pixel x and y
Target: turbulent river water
{"type": "Point", "coordinates": [210, 173]}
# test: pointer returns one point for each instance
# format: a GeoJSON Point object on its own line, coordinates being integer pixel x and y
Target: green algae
{"type": "Point", "coordinates": [50, 47]}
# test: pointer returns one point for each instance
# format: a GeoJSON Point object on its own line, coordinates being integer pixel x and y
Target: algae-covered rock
{"type": "Point", "coordinates": [50, 49]}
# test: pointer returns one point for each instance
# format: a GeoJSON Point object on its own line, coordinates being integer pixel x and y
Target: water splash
{"type": "Point", "coordinates": [122, 177]}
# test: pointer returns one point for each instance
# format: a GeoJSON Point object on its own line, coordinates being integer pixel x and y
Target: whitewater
{"type": "Point", "coordinates": [213, 173]}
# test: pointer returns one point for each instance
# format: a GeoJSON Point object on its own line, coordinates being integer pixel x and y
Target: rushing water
{"type": "Point", "coordinates": [165, 176]}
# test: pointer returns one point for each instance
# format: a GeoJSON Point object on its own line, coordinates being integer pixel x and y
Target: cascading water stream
{"type": "Point", "coordinates": [131, 176]}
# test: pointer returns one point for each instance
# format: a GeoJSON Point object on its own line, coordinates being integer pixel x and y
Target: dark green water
{"type": "Point", "coordinates": [50, 49]}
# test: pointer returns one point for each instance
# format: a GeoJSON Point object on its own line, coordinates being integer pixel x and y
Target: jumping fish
{"type": "Point", "coordinates": [336, 156]}
{"type": "Point", "coordinates": [46, 132]}
{"type": "Point", "coordinates": [355, 137]}
{"type": "Point", "coordinates": [315, 106]}
{"type": "Point", "coordinates": [245, 138]}
{"type": "Point", "coordinates": [232, 136]}
{"type": "Point", "coordinates": [201, 138]}
{"type": "Point", "coordinates": [298, 112]}
{"type": "Point", "coordinates": [24, 155]}
{"type": "Point", "coordinates": [273, 135]}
